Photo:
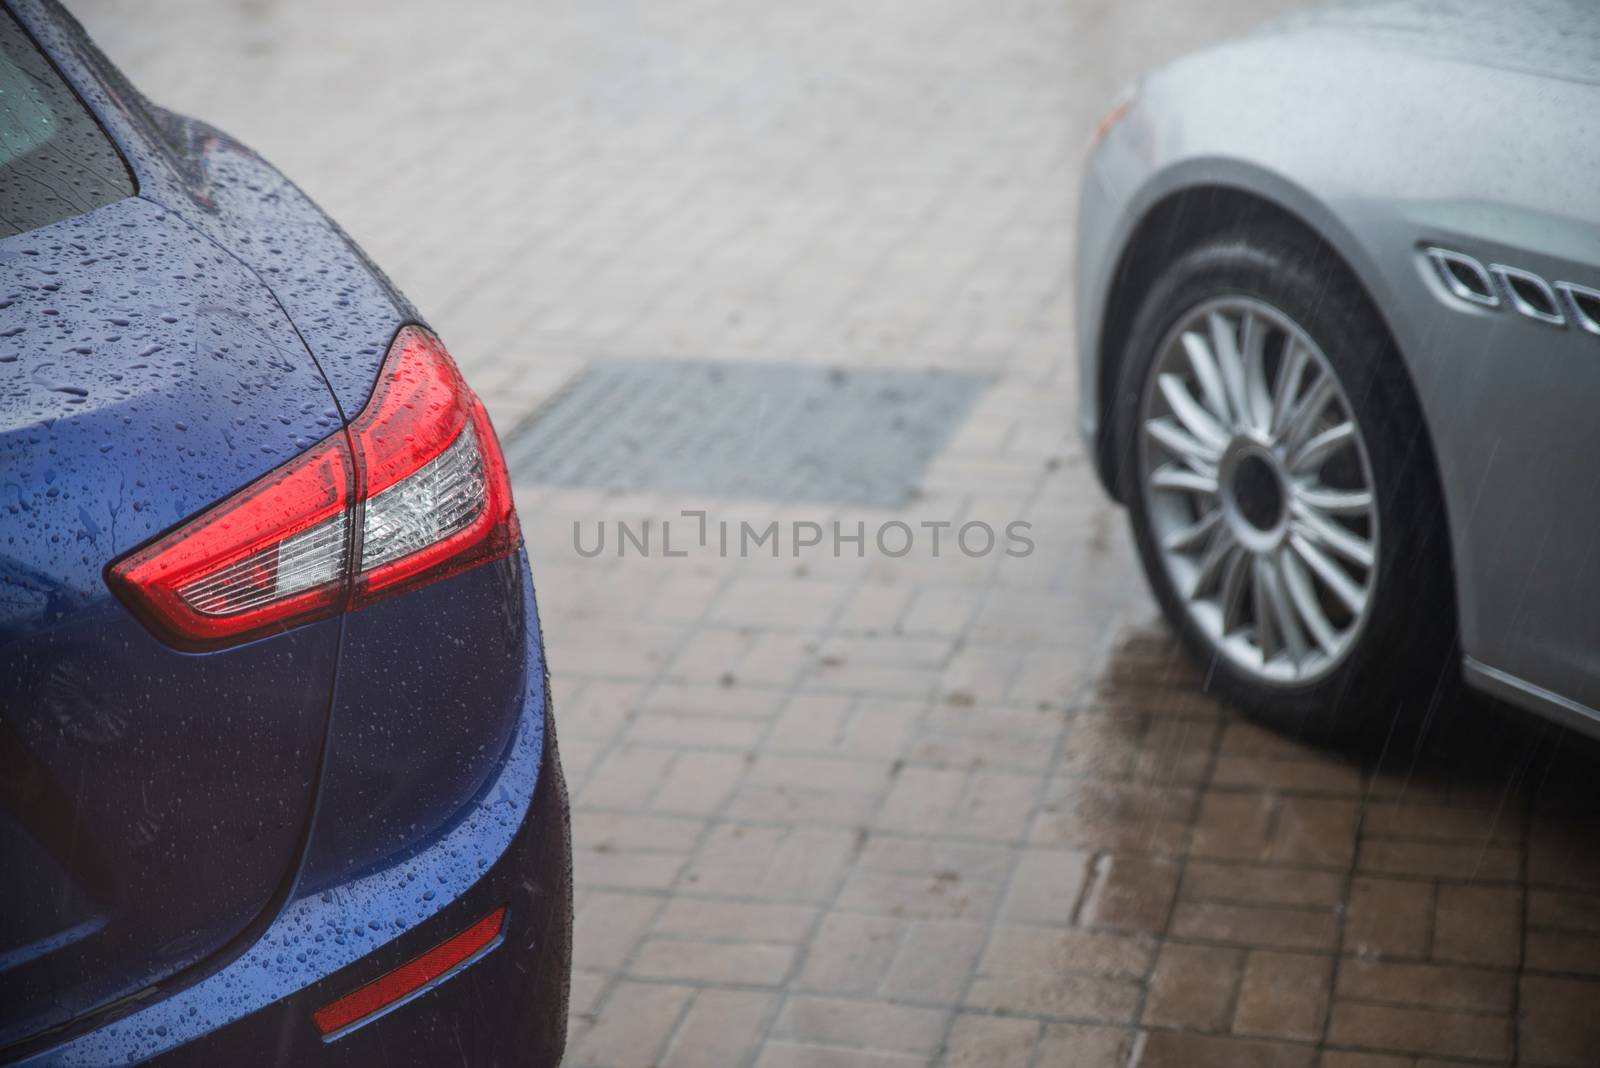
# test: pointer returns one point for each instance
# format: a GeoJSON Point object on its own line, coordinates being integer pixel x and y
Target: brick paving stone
{"type": "Point", "coordinates": [1562, 951]}
{"type": "Point", "coordinates": [587, 989]}
{"type": "Point", "coordinates": [607, 831]}
{"type": "Point", "coordinates": [943, 896]}
{"type": "Point", "coordinates": [1478, 924]}
{"type": "Point", "coordinates": [978, 674]}
{"type": "Point", "coordinates": [934, 962]}
{"type": "Point", "coordinates": [780, 1054]}
{"type": "Point", "coordinates": [579, 757]}
{"type": "Point", "coordinates": [1305, 776]}
{"type": "Point", "coordinates": [607, 927]}
{"type": "Point", "coordinates": [626, 869]}
{"type": "Point", "coordinates": [748, 963]}
{"type": "Point", "coordinates": [1252, 884]}
{"type": "Point", "coordinates": [1561, 1021]}
{"type": "Point", "coordinates": [721, 1027]}
{"type": "Point", "coordinates": [628, 777]}
{"type": "Point", "coordinates": [1194, 988]}
{"type": "Point", "coordinates": [1426, 986]}
{"type": "Point", "coordinates": [1100, 815]}
{"type": "Point", "coordinates": [795, 605]}
{"type": "Point", "coordinates": [1070, 974]}
{"type": "Point", "coordinates": [1079, 997]}
{"type": "Point", "coordinates": [684, 730]}
{"type": "Point", "coordinates": [991, 742]}
{"type": "Point", "coordinates": [1235, 826]}
{"type": "Point", "coordinates": [818, 723]}
{"type": "Point", "coordinates": [1169, 1049]}
{"type": "Point", "coordinates": [774, 659]}
{"type": "Point", "coordinates": [601, 709]}
{"type": "Point", "coordinates": [719, 699]}
{"type": "Point", "coordinates": [698, 782]}
{"type": "Point", "coordinates": [1561, 855]}
{"type": "Point", "coordinates": [1242, 738]}
{"type": "Point", "coordinates": [1315, 831]}
{"type": "Point", "coordinates": [920, 798]}
{"type": "Point", "coordinates": [1085, 1044]}
{"type": "Point", "coordinates": [946, 801]}
{"type": "Point", "coordinates": [850, 953]}
{"type": "Point", "coordinates": [1253, 926]}
{"type": "Point", "coordinates": [1389, 918]}
{"type": "Point", "coordinates": [1350, 1059]}
{"type": "Point", "coordinates": [1047, 885]}
{"type": "Point", "coordinates": [1121, 746]}
{"type": "Point", "coordinates": [978, 1041]}
{"type": "Point", "coordinates": [1409, 1030]}
{"type": "Point", "coordinates": [875, 610]}
{"type": "Point", "coordinates": [870, 1025]}
{"type": "Point", "coordinates": [798, 806]}
{"type": "Point", "coordinates": [838, 775]}
{"type": "Point", "coordinates": [1052, 676]}
{"type": "Point", "coordinates": [638, 1020]}
{"type": "Point", "coordinates": [940, 611]}
{"type": "Point", "coordinates": [874, 812]}
{"type": "Point", "coordinates": [769, 863]}
{"type": "Point", "coordinates": [1283, 995]}
{"type": "Point", "coordinates": [1429, 821]}
{"type": "Point", "coordinates": [1447, 860]}
{"type": "Point", "coordinates": [920, 855]}
{"type": "Point", "coordinates": [1128, 892]}
{"type": "Point", "coordinates": [1050, 950]}
{"type": "Point", "coordinates": [1571, 912]}
{"type": "Point", "coordinates": [749, 921]}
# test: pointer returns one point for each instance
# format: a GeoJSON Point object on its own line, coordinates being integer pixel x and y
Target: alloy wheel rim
{"type": "Point", "coordinates": [1259, 489]}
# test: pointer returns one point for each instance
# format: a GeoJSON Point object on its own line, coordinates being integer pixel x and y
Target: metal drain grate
{"type": "Point", "coordinates": [769, 431]}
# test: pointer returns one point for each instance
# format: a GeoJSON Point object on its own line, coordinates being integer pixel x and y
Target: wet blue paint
{"type": "Point", "coordinates": [318, 934]}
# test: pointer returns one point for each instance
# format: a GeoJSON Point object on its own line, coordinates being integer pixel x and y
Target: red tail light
{"type": "Point", "coordinates": [415, 490]}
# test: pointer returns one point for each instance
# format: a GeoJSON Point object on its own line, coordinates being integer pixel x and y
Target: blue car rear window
{"type": "Point", "coordinates": [55, 161]}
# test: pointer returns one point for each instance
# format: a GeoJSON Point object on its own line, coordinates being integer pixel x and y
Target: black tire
{"type": "Point", "coordinates": [1404, 658]}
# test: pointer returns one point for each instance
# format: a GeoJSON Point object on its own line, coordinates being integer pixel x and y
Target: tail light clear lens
{"type": "Point", "coordinates": [414, 490]}
{"type": "Point", "coordinates": [436, 496]}
{"type": "Point", "coordinates": [443, 498]}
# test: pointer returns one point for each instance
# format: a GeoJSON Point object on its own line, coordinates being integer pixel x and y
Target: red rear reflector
{"type": "Point", "coordinates": [439, 963]}
{"type": "Point", "coordinates": [413, 491]}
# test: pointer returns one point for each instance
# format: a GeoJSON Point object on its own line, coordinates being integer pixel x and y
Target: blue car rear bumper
{"type": "Point", "coordinates": [511, 846]}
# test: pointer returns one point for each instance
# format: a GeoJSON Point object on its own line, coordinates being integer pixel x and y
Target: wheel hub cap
{"type": "Point", "coordinates": [1254, 491]}
{"type": "Point", "coordinates": [1259, 490]}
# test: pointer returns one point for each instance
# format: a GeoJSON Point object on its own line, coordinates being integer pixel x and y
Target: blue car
{"type": "Point", "coordinates": [278, 778]}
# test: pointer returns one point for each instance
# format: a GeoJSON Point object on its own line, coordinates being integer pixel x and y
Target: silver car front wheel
{"type": "Point", "coordinates": [1256, 478]}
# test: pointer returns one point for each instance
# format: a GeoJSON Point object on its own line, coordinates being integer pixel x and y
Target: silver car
{"type": "Point", "coordinates": [1339, 327]}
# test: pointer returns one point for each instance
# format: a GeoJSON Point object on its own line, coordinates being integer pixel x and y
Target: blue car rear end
{"type": "Point", "coordinates": [217, 841]}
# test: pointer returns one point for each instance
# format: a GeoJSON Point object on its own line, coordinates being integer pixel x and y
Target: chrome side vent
{"type": "Point", "coordinates": [1463, 280]}
{"type": "Point", "coordinates": [1529, 294]}
{"type": "Point", "coordinates": [1583, 303]}
{"type": "Point", "coordinates": [1463, 277]}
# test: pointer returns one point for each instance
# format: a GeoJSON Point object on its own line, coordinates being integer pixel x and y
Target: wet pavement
{"type": "Point", "coordinates": [843, 805]}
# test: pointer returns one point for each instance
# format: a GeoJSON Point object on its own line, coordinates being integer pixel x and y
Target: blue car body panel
{"type": "Point", "coordinates": [147, 375]}
{"type": "Point", "coordinates": [417, 726]}
{"type": "Point", "coordinates": [342, 305]}
{"type": "Point", "coordinates": [211, 845]}
{"type": "Point", "coordinates": [328, 927]}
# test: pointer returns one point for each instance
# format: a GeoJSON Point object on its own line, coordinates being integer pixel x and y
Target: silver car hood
{"type": "Point", "coordinates": [1557, 39]}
